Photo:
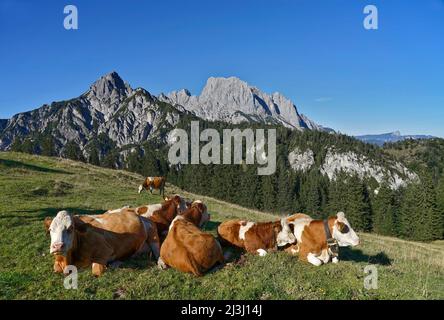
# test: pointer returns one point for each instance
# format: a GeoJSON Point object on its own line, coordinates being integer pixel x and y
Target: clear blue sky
{"type": "Point", "coordinates": [317, 53]}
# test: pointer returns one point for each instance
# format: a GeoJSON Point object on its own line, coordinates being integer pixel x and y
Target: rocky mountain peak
{"type": "Point", "coordinates": [107, 92]}
{"type": "Point", "coordinates": [234, 100]}
{"type": "Point", "coordinates": [107, 84]}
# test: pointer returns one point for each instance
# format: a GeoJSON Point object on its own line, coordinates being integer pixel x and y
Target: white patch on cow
{"type": "Point", "coordinates": [151, 208]}
{"type": "Point", "coordinates": [161, 264]}
{"type": "Point", "coordinates": [299, 226]}
{"type": "Point", "coordinates": [61, 232]}
{"type": "Point", "coordinates": [174, 220]}
{"type": "Point", "coordinates": [116, 210]}
{"type": "Point", "coordinates": [99, 220]}
{"type": "Point", "coordinates": [150, 179]}
{"type": "Point", "coordinates": [261, 252]}
{"type": "Point", "coordinates": [314, 260]}
{"type": "Point", "coordinates": [285, 236]}
{"type": "Point", "coordinates": [244, 229]}
{"type": "Point", "coordinates": [324, 257]}
{"type": "Point", "coordinates": [140, 188]}
{"type": "Point", "coordinates": [335, 260]}
{"type": "Point", "coordinates": [349, 238]}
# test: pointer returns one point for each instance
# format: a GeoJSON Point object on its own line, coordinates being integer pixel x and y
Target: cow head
{"type": "Point", "coordinates": [62, 230]}
{"type": "Point", "coordinates": [179, 202]}
{"type": "Point", "coordinates": [285, 235]}
{"type": "Point", "coordinates": [202, 208]}
{"type": "Point", "coordinates": [343, 233]}
{"type": "Point", "coordinates": [140, 188]}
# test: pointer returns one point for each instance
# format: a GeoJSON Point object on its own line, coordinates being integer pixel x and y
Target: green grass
{"type": "Point", "coordinates": [32, 188]}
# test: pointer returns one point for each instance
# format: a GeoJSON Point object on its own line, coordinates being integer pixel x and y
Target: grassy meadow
{"type": "Point", "coordinates": [33, 187]}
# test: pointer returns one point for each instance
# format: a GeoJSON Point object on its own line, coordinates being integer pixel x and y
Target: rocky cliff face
{"type": "Point", "coordinates": [233, 100]}
{"type": "Point", "coordinates": [394, 173]}
{"type": "Point", "coordinates": [3, 124]}
{"type": "Point", "coordinates": [109, 107]}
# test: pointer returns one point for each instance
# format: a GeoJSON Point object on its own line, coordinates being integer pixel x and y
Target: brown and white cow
{"type": "Point", "coordinates": [311, 235]}
{"type": "Point", "coordinates": [99, 239]}
{"type": "Point", "coordinates": [256, 237]}
{"type": "Point", "coordinates": [153, 183]}
{"type": "Point", "coordinates": [162, 214]}
{"type": "Point", "coordinates": [187, 248]}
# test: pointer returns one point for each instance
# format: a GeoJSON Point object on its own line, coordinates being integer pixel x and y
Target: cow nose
{"type": "Point", "coordinates": [57, 246]}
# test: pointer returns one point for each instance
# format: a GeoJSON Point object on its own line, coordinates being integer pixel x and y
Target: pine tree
{"type": "Point", "coordinates": [440, 206]}
{"type": "Point", "coordinates": [357, 205]}
{"type": "Point", "coordinates": [383, 211]}
{"type": "Point", "coordinates": [48, 146]}
{"type": "Point", "coordinates": [310, 195]}
{"type": "Point", "coordinates": [337, 193]}
{"type": "Point", "coordinates": [94, 158]}
{"type": "Point", "coordinates": [420, 218]}
{"type": "Point", "coordinates": [29, 146]}
{"type": "Point", "coordinates": [73, 152]}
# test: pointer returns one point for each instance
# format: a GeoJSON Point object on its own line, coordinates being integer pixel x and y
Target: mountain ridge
{"type": "Point", "coordinates": [112, 107]}
{"type": "Point", "coordinates": [395, 136]}
{"type": "Point", "coordinates": [237, 98]}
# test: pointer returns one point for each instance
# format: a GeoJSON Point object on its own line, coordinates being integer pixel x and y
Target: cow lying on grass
{"type": "Point", "coordinates": [256, 237]}
{"type": "Point", "coordinates": [187, 248]}
{"type": "Point", "coordinates": [162, 214]}
{"type": "Point", "coordinates": [99, 239]}
{"type": "Point", "coordinates": [318, 241]}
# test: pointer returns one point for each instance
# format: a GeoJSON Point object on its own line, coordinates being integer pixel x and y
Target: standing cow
{"type": "Point", "coordinates": [187, 248]}
{"type": "Point", "coordinates": [153, 183]}
{"type": "Point", "coordinates": [318, 241]}
{"type": "Point", "coordinates": [99, 239]}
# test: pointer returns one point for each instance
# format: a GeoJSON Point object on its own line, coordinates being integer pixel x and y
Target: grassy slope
{"type": "Point", "coordinates": [34, 187]}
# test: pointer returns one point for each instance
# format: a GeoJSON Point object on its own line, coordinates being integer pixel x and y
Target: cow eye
{"type": "Point", "coordinates": [343, 228]}
{"type": "Point", "coordinates": [70, 229]}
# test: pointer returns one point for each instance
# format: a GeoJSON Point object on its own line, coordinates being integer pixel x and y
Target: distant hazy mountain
{"type": "Point", "coordinates": [380, 139]}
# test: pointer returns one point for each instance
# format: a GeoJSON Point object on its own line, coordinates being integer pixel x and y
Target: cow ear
{"type": "Point", "coordinates": [47, 223]}
{"type": "Point", "coordinates": [79, 225]}
{"type": "Point", "coordinates": [340, 216]}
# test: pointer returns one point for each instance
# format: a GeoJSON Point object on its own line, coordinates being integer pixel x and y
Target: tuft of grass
{"type": "Point", "coordinates": [33, 187]}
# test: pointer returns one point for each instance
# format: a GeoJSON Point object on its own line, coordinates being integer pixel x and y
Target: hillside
{"type": "Point", "coordinates": [33, 187]}
{"type": "Point", "coordinates": [420, 154]}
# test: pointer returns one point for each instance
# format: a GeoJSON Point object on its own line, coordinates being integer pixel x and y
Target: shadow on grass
{"type": "Point", "coordinates": [41, 214]}
{"type": "Point", "coordinates": [356, 255]}
{"type": "Point", "coordinates": [18, 164]}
